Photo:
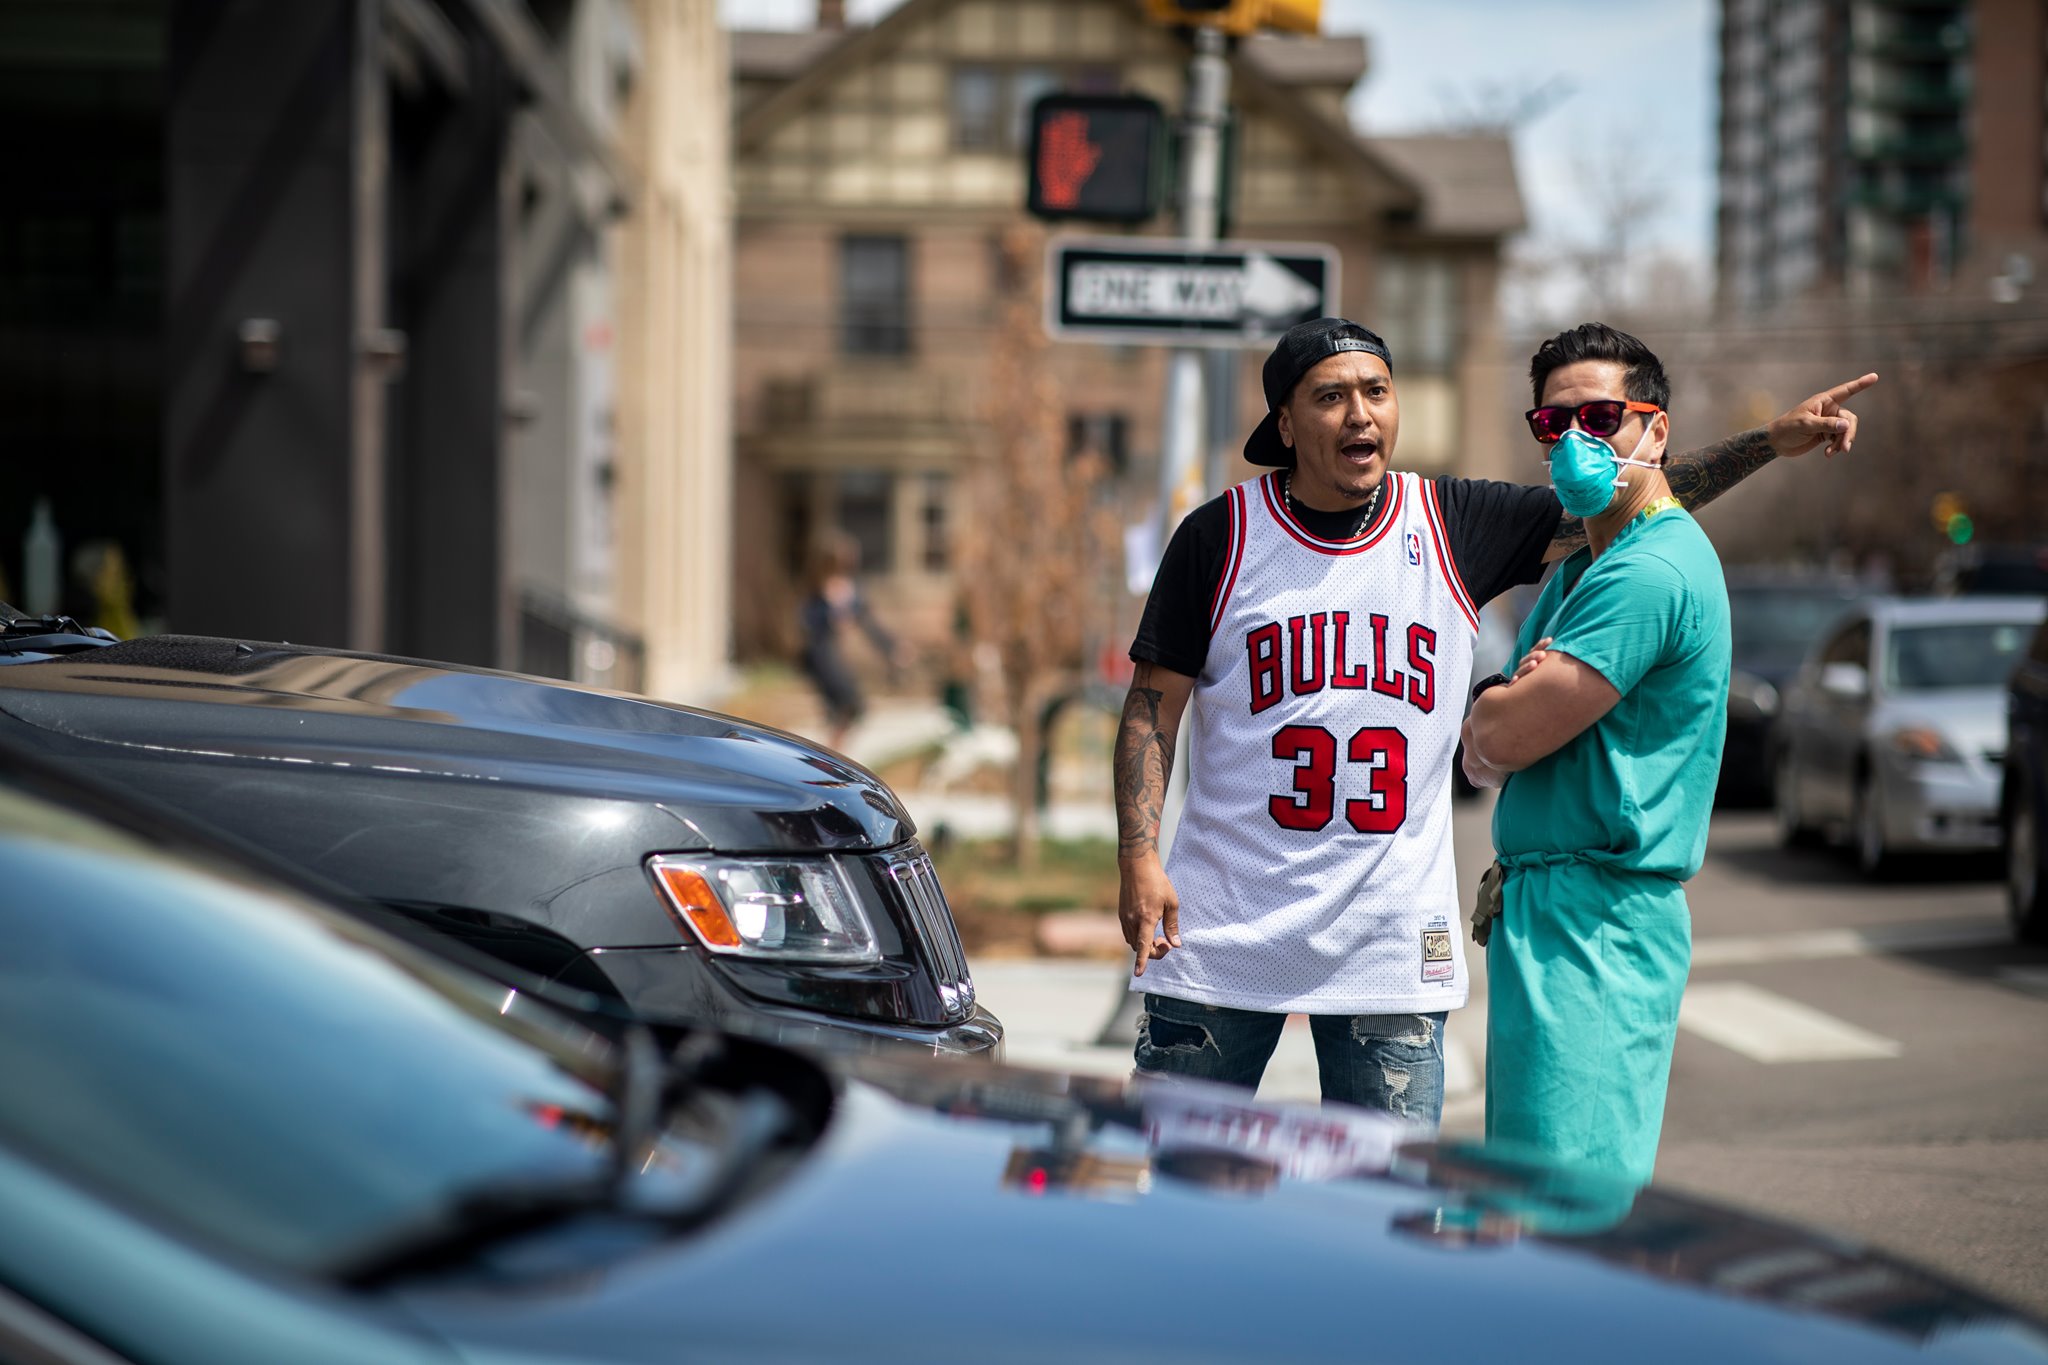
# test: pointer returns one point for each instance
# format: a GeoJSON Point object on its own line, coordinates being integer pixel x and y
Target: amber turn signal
{"type": "Point", "coordinates": [692, 902]}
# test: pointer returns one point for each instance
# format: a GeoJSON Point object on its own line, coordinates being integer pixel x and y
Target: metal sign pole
{"type": "Point", "coordinates": [1180, 446]}
{"type": "Point", "coordinates": [1201, 173]}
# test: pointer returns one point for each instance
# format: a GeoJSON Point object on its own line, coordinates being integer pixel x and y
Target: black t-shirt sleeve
{"type": "Point", "coordinates": [1174, 631]}
{"type": "Point", "coordinates": [1499, 532]}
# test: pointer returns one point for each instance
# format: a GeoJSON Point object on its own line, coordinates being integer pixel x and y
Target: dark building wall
{"type": "Point", "coordinates": [448, 591]}
{"type": "Point", "coordinates": [354, 494]}
{"type": "Point", "coordinates": [260, 214]}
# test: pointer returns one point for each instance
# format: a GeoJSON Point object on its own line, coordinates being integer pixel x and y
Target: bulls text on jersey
{"type": "Point", "coordinates": [1310, 652]}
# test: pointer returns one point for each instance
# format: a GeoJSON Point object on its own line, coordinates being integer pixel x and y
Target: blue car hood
{"type": "Point", "coordinates": [996, 1214]}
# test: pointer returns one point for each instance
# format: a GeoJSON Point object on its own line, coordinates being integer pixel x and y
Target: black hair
{"type": "Point", "coordinates": [1644, 381]}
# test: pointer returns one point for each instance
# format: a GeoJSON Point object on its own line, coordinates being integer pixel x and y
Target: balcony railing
{"type": "Point", "coordinates": [865, 395]}
{"type": "Point", "coordinates": [1911, 95]}
{"type": "Point", "coordinates": [1922, 149]}
{"type": "Point", "coordinates": [1906, 202]}
{"type": "Point", "coordinates": [558, 641]}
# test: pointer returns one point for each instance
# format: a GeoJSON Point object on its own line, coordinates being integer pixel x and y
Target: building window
{"type": "Point", "coordinates": [991, 104]}
{"type": "Point", "coordinates": [818, 505]}
{"type": "Point", "coordinates": [932, 522]}
{"type": "Point", "coordinates": [977, 108]}
{"type": "Point", "coordinates": [866, 511]}
{"type": "Point", "coordinates": [1104, 434]}
{"type": "Point", "coordinates": [874, 295]}
{"type": "Point", "coordinates": [1419, 304]}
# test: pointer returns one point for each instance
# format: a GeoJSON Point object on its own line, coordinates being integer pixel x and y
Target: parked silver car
{"type": "Point", "coordinates": [1895, 726]}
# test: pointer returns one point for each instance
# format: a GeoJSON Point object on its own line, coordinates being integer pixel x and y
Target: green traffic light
{"type": "Point", "coordinates": [1961, 528]}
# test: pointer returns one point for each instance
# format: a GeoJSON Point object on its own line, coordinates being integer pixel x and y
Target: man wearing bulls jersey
{"type": "Point", "coordinates": [1315, 625]}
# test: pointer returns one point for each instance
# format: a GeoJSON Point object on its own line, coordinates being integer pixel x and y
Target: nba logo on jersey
{"type": "Point", "coordinates": [1415, 547]}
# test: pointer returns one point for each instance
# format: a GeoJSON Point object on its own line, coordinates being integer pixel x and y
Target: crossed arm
{"type": "Point", "coordinates": [1144, 761]}
{"type": "Point", "coordinates": [1697, 477]}
{"type": "Point", "coordinates": [1552, 700]}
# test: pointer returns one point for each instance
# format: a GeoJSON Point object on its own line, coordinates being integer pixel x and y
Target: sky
{"type": "Point", "coordinates": [1625, 80]}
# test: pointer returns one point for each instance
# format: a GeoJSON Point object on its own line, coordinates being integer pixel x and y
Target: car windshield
{"type": "Point", "coordinates": [252, 1069]}
{"type": "Point", "coordinates": [1774, 627]}
{"type": "Point", "coordinates": [1954, 654]}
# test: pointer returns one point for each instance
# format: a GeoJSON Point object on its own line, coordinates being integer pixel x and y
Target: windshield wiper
{"type": "Point", "coordinates": [756, 1120]}
{"type": "Point", "coordinates": [479, 1219]}
{"type": "Point", "coordinates": [492, 1213]}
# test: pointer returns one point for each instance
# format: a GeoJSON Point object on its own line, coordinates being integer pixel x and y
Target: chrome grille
{"type": "Point", "coordinates": [916, 887]}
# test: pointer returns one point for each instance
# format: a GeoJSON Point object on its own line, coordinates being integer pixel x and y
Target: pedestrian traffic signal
{"type": "Point", "coordinates": [1240, 17]}
{"type": "Point", "coordinates": [1096, 156]}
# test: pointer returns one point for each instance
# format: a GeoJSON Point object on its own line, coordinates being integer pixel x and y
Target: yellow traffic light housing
{"type": "Point", "coordinates": [1240, 17]}
{"type": "Point", "coordinates": [1295, 16]}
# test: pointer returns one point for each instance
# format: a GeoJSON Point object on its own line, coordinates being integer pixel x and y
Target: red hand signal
{"type": "Point", "coordinates": [1066, 158]}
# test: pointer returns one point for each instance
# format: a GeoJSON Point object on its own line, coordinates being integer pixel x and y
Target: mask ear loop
{"type": "Point", "coordinates": [1621, 479]}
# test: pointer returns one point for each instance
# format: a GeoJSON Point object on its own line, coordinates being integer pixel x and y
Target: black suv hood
{"type": "Point", "coordinates": [731, 785]}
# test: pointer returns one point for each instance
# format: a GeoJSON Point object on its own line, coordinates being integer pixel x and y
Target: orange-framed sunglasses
{"type": "Point", "coordinates": [1602, 417]}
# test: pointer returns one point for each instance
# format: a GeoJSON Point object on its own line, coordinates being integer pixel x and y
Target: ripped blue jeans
{"type": "Point", "coordinates": [1390, 1062]}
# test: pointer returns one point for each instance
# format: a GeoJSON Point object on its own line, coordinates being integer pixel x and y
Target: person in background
{"type": "Point", "coordinates": [832, 603]}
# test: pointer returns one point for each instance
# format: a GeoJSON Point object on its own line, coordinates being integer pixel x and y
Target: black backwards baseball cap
{"type": "Point", "coordinates": [1300, 349]}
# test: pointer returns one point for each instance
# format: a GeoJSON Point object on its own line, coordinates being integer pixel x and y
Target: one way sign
{"type": "Point", "coordinates": [1158, 290]}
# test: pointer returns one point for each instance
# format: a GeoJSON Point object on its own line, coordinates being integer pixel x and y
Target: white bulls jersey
{"type": "Point", "coordinates": [1313, 857]}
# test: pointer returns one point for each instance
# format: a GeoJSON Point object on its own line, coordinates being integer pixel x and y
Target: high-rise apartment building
{"type": "Point", "coordinates": [1875, 146]}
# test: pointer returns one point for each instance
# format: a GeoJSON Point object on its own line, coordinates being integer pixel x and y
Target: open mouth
{"type": "Point", "coordinates": [1361, 452]}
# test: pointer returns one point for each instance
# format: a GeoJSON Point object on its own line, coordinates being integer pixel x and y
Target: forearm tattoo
{"type": "Point", "coordinates": [1570, 537]}
{"type": "Point", "coordinates": [1696, 477]}
{"type": "Point", "coordinates": [1144, 761]}
{"type": "Point", "coordinates": [1699, 476]}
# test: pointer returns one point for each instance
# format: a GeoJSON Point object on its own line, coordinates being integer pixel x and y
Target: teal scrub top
{"type": "Point", "coordinates": [1633, 791]}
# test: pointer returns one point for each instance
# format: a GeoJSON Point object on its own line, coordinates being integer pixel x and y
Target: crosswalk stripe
{"type": "Point", "coordinates": [1746, 950]}
{"type": "Point", "coordinates": [1767, 1027]}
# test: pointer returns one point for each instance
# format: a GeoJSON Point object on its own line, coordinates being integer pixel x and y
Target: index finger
{"type": "Point", "coordinates": [1850, 389]}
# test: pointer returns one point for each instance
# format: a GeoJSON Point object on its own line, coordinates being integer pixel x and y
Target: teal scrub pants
{"type": "Point", "coordinates": [1585, 968]}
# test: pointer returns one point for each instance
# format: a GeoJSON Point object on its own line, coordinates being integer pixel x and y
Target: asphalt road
{"type": "Point", "coordinates": [1869, 1057]}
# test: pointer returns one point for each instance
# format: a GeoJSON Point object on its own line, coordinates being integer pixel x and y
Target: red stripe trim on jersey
{"type": "Point", "coordinates": [1389, 514]}
{"type": "Point", "coordinates": [1233, 561]}
{"type": "Point", "coordinates": [1442, 540]}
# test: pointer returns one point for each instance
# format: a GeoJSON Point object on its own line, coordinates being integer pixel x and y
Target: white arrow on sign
{"type": "Point", "coordinates": [1271, 290]}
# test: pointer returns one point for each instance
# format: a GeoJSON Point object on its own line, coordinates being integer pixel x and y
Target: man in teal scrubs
{"type": "Point", "coordinates": [1608, 743]}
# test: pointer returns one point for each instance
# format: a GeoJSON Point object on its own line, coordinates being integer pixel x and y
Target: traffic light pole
{"type": "Point", "coordinates": [1180, 443]}
{"type": "Point", "coordinates": [1199, 193]}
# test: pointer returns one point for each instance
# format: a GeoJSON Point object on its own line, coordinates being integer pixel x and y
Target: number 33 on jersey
{"type": "Point", "coordinates": [1315, 850]}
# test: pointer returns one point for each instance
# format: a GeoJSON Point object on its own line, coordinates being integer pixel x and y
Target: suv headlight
{"type": "Point", "coordinates": [783, 908]}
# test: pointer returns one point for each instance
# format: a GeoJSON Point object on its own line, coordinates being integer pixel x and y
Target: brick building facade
{"type": "Point", "coordinates": [875, 171]}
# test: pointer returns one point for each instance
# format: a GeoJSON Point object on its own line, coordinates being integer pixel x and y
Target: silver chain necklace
{"type": "Point", "coordinates": [1372, 504]}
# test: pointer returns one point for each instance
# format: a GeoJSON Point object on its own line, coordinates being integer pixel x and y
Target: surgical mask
{"type": "Point", "coordinates": [1585, 471]}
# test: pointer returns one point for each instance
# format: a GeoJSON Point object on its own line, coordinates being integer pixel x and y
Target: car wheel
{"type": "Point", "coordinates": [2025, 897]}
{"type": "Point", "coordinates": [1872, 858]}
{"type": "Point", "coordinates": [1793, 829]}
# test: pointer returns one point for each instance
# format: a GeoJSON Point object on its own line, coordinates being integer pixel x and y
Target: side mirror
{"type": "Point", "coordinates": [1847, 680]}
